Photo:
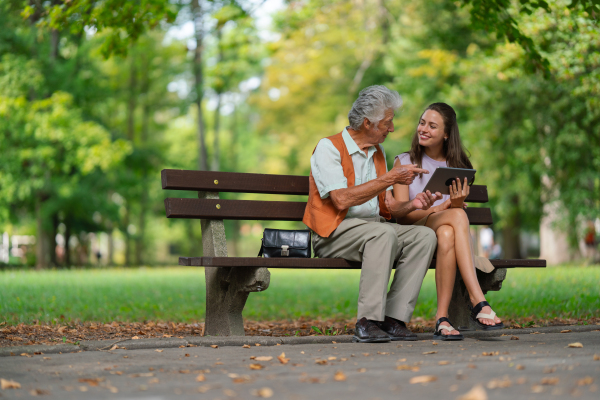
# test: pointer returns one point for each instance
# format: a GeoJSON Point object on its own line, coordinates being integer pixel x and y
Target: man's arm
{"type": "Point", "coordinates": [422, 201]}
{"type": "Point", "coordinates": [349, 197]}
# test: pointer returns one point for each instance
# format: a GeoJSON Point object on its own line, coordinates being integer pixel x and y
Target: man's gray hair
{"type": "Point", "coordinates": [372, 102]}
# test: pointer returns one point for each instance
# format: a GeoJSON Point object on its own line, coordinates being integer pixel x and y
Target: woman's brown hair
{"type": "Point", "coordinates": [454, 151]}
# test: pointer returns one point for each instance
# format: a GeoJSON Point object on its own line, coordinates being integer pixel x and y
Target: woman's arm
{"type": "Point", "coordinates": [401, 194]}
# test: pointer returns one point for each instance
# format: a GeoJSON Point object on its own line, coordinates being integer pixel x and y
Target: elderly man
{"type": "Point", "coordinates": [348, 205]}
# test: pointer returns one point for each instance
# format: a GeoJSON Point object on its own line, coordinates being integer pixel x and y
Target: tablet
{"type": "Point", "coordinates": [443, 177]}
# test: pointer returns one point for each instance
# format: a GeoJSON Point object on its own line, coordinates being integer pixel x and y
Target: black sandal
{"type": "Point", "coordinates": [476, 314]}
{"type": "Point", "coordinates": [437, 335]}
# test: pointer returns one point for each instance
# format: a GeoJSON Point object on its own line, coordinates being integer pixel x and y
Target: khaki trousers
{"type": "Point", "coordinates": [380, 245]}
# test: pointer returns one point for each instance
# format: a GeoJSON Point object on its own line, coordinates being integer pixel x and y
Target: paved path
{"type": "Point", "coordinates": [534, 366]}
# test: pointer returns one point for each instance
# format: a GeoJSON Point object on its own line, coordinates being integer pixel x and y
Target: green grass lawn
{"type": "Point", "coordinates": [178, 294]}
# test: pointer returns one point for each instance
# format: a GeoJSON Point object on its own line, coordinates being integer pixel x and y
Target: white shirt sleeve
{"type": "Point", "coordinates": [326, 168]}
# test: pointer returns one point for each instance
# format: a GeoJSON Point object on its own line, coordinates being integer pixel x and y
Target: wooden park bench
{"type": "Point", "coordinates": [229, 280]}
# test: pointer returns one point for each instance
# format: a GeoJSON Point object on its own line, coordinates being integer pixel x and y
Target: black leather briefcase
{"type": "Point", "coordinates": [282, 243]}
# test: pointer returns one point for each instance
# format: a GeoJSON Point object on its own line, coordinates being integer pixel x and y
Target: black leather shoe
{"type": "Point", "coordinates": [396, 329]}
{"type": "Point", "coordinates": [367, 331]}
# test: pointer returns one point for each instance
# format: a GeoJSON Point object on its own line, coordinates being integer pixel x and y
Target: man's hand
{"type": "Point", "coordinates": [399, 209]}
{"type": "Point", "coordinates": [425, 200]}
{"type": "Point", "coordinates": [406, 174]}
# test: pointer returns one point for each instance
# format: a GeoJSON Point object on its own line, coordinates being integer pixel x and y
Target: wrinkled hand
{"type": "Point", "coordinates": [406, 174]}
{"type": "Point", "coordinates": [458, 193]}
{"type": "Point", "coordinates": [425, 200]}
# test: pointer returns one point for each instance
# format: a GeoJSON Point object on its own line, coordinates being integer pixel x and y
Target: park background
{"type": "Point", "coordinates": [97, 97]}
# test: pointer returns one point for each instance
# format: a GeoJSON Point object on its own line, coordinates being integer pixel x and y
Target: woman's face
{"type": "Point", "coordinates": [431, 129]}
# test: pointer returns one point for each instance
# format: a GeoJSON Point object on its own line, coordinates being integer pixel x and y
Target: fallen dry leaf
{"type": "Point", "coordinates": [520, 367]}
{"type": "Point", "coordinates": [471, 366]}
{"type": "Point", "coordinates": [229, 393]}
{"type": "Point", "coordinates": [158, 350]}
{"type": "Point", "coordinates": [514, 338]}
{"type": "Point", "coordinates": [565, 331]}
{"type": "Point", "coordinates": [596, 357]}
{"type": "Point", "coordinates": [407, 368]}
{"type": "Point", "coordinates": [549, 370]}
{"type": "Point", "coordinates": [91, 381]}
{"type": "Point", "coordinates": [443, 362]}
{"type": "Point", "coordinates": [264, 358]}
{"type": "Point", "coordinates": [491, 353]}
{"type": "Point", "coordinates": [361, 370]}
{"type": "Point", "coordinates": [135, 338]}
{"type": "Point", "coordinates": [184, 371]}
{"type": "Point", "coordinates": [200, 378]}
{"type": "Point", "coordinates": [38, 392]}
{"type": "Point", "coordinates": [575, 345]}
{"type": "Point", "coordinates": [365, 354]}
{"type": "Point", "coordinates": [114, 347]}
{"type": "Point", "coordinates": [142, 375]}
{"type": "Point", "coordinates": [257, 344]}
{"type": "Point", "coordinates": [537, 389]}
{"type": "Point", "coordinates": [246, 346]}
{"type": "Point", "coordinates": [332, 358]}
{"type": "Point", "coordinates": [402, 360]}
{"type": "Point", "coordinates": [423, 379]}
{"type": "Point", "coordinates": [204, 388]}
{"type": "Point", "coordinates": [430, 352]}
{"type": "Point", "coordinates": [26, 355]}
{"type": "Point", "coordinates": [499, 383]}
{"type": "Point", "coordinates": [214, 346]}
{"type": "Point", "coordinates": [153, 380]}
{"type": "Point", "coordinates": [521, 381]}
{"type": "Point", "coordinates": [282, 358]}
{"type": "Point", "coordinates": [549, 381]}
{"type": "Point", "coordinates": [321, 362]}
{"type": "Point", "coordinates": [477, 393]}
{"type": "Point", "coordinates": [588, 380]}
{"type": "Point", "coordinates": [339, 376]}
{"type": "Point", "coordinates": [256, 366]}
{"type": "Point", "coordinates": [263, 392]}
{"type": "Point", "coordinates": [9, 384]}
{"type": "Point", "coordinates": [116, 372]}
{"type": "Point", "coordinates": [47, 358]}
{"type": "Point", "coordinates": [382, 352]}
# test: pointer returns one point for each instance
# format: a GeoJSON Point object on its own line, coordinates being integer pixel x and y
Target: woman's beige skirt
{"type": "Point", "coordinates": [481, 263]}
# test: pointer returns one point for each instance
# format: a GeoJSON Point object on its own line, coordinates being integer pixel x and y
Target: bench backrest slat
{"type": "Point", "coordinates": [237, 182]}
{"type": "Point", "coordinates": [265, 210]}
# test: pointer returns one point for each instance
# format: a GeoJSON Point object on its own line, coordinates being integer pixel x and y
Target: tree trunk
{"type": "Point", "coordinates": [53, 243]}
{"type": "Point", "coordinates": [41, 246]}
{"type": "Point", "coordinates": [139, 240]}
{"type": "Point", "coordinates": [127, 235]}
{"type": "Point", "coordinates": [111, 246]}
{"type": "Point", "coordinates": [198, 75]}
{"type": "Point", "coordinates": [67, 245]}
{"type": "Point", "coordinates": [511, 231]}
{"type": "Point", "coordinates": [216, 165]}
{"type": "Point", "coordinates": [54, 40]}
{"type": "Point", "coordinates": [132, 100]}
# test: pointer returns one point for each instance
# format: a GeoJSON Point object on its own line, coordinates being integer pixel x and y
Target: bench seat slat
{"type": "Point", "coordinates": [237, 182]}
{"type": "Point", "coordinates": [266, 210]}
{"type": "Point", "coordinates": [320, 263]}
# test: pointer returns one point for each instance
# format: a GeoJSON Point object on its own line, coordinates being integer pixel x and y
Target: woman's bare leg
{"type": "Point", "coordinates": [457, 219]}
{"type": "Point", "coordinates": [445, 273]}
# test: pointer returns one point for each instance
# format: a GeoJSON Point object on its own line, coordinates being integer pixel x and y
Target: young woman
{"type": "Point", "coordinates": [437, 144]}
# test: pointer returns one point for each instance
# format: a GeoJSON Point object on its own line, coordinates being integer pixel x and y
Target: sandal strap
{"type": "Point", "coordinates": [439, 321]}
{"type": "Point", "coordinates": [477, 309]}
{"type": "Point", "coordinates": [486, 316]}
{"type": "Point", "coordinates": [447, 328]}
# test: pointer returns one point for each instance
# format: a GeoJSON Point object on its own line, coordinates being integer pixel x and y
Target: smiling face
{"type": "Point", "coordinates": [377, 133]}
{"type": "Point", "coordinates": [431, 129]}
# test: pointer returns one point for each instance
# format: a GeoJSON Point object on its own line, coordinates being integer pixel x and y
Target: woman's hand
{"type": "Point", "coordinates": [458, 193]}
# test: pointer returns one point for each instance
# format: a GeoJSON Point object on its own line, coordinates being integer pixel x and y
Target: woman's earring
{"type": "Point", "coordinates": [445, 139]}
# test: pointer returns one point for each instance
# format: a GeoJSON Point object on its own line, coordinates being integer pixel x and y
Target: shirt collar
{"type": "Point", "coordinates": [352, 146]}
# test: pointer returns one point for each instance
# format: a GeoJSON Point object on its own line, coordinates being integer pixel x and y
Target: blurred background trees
{"type": "Point", "coordinates": [96, 97]}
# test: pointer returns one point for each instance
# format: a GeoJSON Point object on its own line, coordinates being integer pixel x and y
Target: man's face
{"type": "Point", "coordinates": [378, 133]}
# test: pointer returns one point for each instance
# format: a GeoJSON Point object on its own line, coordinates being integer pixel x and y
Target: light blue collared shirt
{"type": "Point", "coordinates": [326, 168]}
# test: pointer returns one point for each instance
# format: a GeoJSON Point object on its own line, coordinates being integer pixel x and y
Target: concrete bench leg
{"type": "Point", "coordinates": [227, 289]}
{"type": "Point", "coordinates": [459, 305]}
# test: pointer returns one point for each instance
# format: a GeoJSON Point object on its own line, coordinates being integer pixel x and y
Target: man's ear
{"type": "Point", "coordinates": [367, 124]}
